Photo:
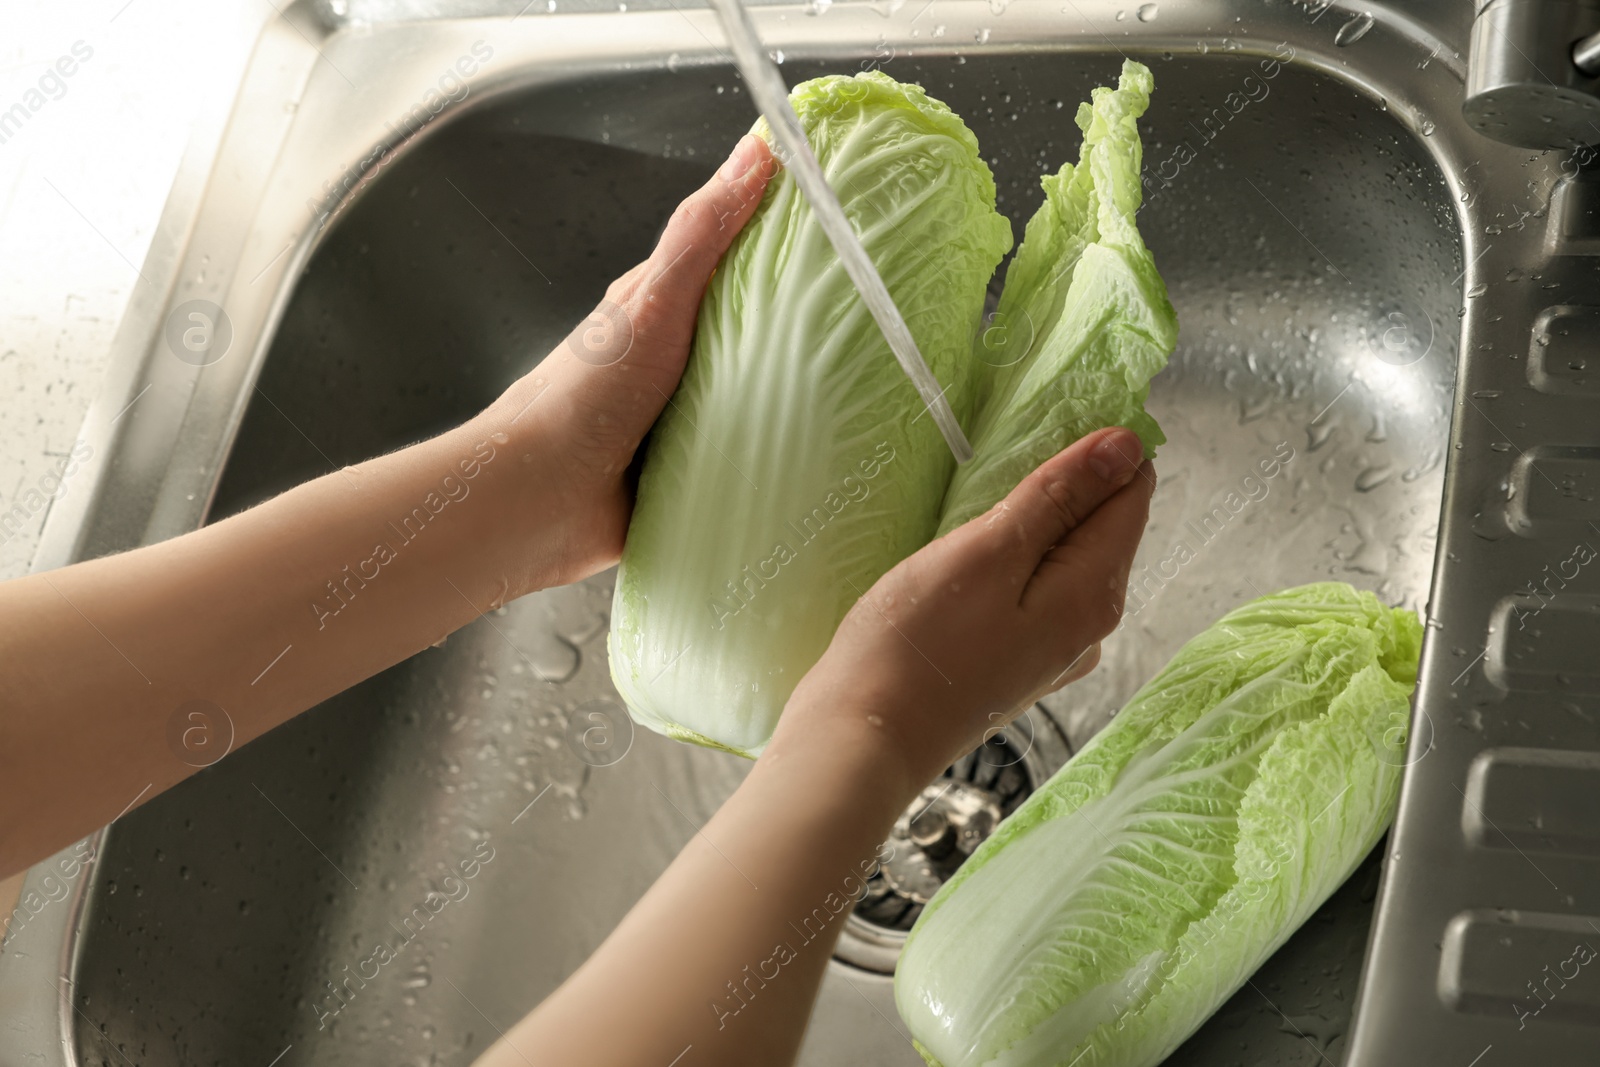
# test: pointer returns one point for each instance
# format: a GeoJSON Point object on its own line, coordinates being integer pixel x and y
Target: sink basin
{"type": "Point", "coordinates": [1304, 203]}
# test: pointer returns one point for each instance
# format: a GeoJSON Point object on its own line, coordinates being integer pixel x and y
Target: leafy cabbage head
{"type": "Point", "coordinates": [1124, 901]}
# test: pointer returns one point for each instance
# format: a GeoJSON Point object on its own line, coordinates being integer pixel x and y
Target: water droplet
{"type": "Point", "coordinates": [672, 62]}
{"type": "Point", "coordinates": [1354, 30]}
{"type": "Point", "coordinates": [554, 660]}
{"type": "Point", "coordinates": [1253, 408]}
{"type": "Point", "coordinates": [998, 7]}
{"type": "Point", "coordinates": [1488, 394]}
{"type": "Point", "coordinates": [1148, 12]}
{"type": "Point", "coordinates": [1372, 477]}
{"type": "Point", "coordinates": [818, 7]}
{"type": "Point", "coordinates": [981, 36]}
{"type": "Point", "coordinates": [1477, 290]}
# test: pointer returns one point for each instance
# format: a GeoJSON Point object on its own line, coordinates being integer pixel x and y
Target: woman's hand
{"type": "Point", "coordinates": [580, 415]}
{"type": "Point", "coordinates": [955, 641]}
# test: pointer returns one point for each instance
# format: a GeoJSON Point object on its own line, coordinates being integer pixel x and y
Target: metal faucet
{"type": "Point", "coordinates": [1533, 72]}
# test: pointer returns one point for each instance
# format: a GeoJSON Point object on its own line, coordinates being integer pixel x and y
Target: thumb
{"type": "Point", "coordinates": [1061, 494]}
{"type": "Point", "coordinates": [648, 314]}
{"type": "Point", "coordinates": [705, 224]}
{"type": "Point", "coordinates": [1088, 571]}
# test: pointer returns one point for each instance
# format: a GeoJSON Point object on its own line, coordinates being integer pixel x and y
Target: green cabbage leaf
{"type": "Point", "coordinates": [1084, 317]}
{"type": "Point", "coordinates": [1132, 894]}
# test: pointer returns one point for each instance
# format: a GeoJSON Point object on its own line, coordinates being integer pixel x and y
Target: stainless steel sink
{"type": "Point", "coordinates": [1318, 210]}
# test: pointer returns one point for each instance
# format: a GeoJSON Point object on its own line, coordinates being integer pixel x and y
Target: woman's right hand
{"type": "Point", "coordinates": [961, 636]}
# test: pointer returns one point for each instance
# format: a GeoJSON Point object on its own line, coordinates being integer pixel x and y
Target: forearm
{"type": "Point", "coordinates": [127, 673]}
{"type": "Point", "coordinates": [724, 955]}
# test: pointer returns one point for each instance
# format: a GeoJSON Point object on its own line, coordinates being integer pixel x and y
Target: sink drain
{"type": "Point", "coordinates": [941, 828]}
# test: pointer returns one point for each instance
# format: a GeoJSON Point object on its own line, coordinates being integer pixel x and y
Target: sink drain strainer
{"type": "Point", "coordinates": [945, 825]}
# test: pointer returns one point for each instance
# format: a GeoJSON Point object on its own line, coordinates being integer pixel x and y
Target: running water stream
{"type": "Point", "coordinates": [771, 95]}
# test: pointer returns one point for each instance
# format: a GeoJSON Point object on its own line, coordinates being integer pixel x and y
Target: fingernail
{"type": "Point", "coordinates": [744, 156]}
{"type": "Point", "coordinates": [1116, 458]}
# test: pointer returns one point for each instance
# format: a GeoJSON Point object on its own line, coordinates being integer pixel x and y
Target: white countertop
{"type": "Point", "coordinates": [96, 104]}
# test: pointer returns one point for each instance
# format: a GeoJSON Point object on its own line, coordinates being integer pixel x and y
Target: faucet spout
{"type": "Point", "coordinates": [1533, 73]}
